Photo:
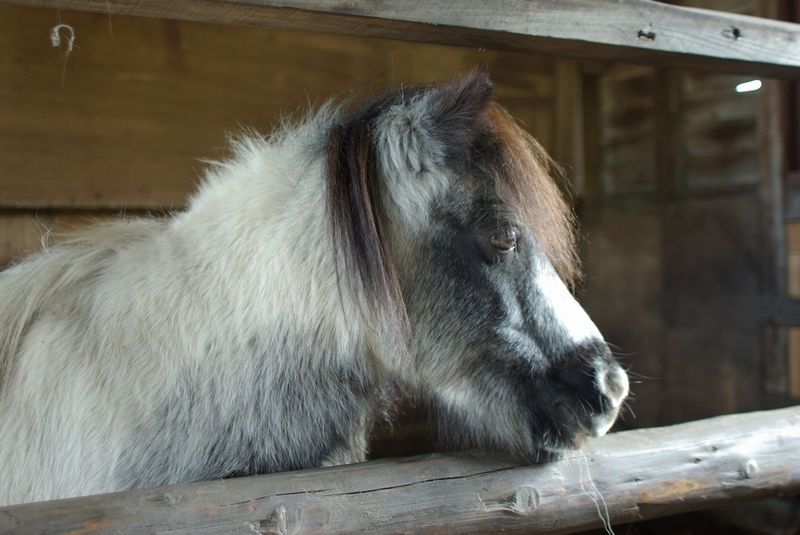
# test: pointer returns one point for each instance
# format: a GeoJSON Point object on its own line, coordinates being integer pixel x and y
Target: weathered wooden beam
{"type": "Point", "coordinates": [625, 476]}
{"type": "Point", "coordinates": [636, 31]}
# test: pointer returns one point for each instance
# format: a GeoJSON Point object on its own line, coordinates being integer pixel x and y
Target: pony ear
{"type": "Point", "coordinates": [457, 110]}
{"type": "Point", "coordinates": [428, 128]}
{"type": "Point", "coordinates": [434, 125]}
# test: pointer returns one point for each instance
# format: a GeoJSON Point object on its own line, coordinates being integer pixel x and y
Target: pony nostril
{"type": "Point", "coordinates": [614, 384]}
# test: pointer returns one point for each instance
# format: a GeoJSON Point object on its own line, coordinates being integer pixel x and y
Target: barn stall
{"type": "Point", "coordinates": [685, 187]}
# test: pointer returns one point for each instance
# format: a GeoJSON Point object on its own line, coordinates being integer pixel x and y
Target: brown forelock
{"type": "Point", "coordinates": [525, 183]}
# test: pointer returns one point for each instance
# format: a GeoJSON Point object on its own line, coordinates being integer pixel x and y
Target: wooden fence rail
{"type": "Point", "coordinates": [635, 31]}
{"type": "Point", "coordinates": [624, 476]}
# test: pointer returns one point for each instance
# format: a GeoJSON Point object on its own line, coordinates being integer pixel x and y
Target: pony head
{"type": "Point", "coordinates": [450, 225]}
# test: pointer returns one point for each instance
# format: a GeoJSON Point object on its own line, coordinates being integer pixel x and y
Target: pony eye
{"type": "Point", "coordinates": [504, 240]}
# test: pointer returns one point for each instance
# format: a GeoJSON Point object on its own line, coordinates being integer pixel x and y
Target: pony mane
{"type": "Point", "coordinates": [355, 205]}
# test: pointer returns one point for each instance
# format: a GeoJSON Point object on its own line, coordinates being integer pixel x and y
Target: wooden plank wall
{"type": "Point", "coordinates": [684, 196]}
{"type": "Point", "coordinates": [144, 99]}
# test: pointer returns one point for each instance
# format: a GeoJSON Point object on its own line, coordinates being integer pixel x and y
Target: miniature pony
{"type": "Point", "coordinates": [415, 238]}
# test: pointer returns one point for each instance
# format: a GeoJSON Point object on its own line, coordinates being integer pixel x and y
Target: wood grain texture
{"type": "Point", "coordinates": [141, 106]}
{"type": "Point", "coordinates": [718, 133]}
{"type": "Point", "coordinates": [628, 130]}
{"type": "Point", "coordinates": [622, 30]}
{"type": "Point", "coordinates": [640, 474]}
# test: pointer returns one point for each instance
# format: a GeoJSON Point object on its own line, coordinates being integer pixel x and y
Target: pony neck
{"type": "Point", "coordinates": [258, 228]}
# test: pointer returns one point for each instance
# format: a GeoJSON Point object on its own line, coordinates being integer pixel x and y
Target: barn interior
{"type": "Point", "coordinates": [684, 181]}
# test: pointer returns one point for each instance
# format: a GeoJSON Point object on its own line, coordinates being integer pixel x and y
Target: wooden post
{"type": "Point", "coordinates": [622, 477]}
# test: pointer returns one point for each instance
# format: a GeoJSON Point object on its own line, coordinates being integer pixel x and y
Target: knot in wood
{"type": "Point", "coordinates": [165, 499]}
{"type": "Point", "coordinates": [749, 470]}
{"type": "Point", "coordinates": [526, 499]}
{"type": "Point", "coordinates": [732, 33]}
{"type": "Point", "coordinates": [647, 33]}
{"type": "Point", "coordinates": [275, 524]}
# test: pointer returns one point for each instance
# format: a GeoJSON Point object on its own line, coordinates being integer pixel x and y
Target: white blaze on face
{"type": "Point", "coordinates": [565, 310]}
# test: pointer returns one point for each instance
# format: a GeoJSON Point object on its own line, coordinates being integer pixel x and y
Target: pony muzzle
{"type": "Point", "coordinates": [613, 384]}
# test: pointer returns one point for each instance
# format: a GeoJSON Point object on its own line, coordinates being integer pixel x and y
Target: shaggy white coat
{"type": "Point", "coordinates": [99, 332]}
